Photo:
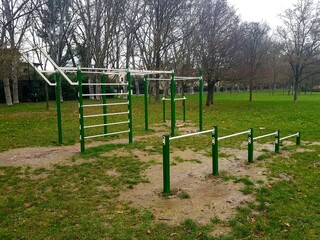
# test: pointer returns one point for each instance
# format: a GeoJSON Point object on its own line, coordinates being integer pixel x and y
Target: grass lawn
{"type": "Point", "coordinates": [79, 200]}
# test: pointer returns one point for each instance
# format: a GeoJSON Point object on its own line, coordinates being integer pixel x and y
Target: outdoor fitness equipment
{"type": "Point", "coordinates": [172, 99]}
{"type": "Point", "coordinates": [215, 139]}
{"type": "Point", "coordinates": [104, 106]}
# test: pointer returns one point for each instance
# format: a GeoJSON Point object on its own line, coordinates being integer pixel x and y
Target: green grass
{"type": "Point", "coordinates": [79, 200]}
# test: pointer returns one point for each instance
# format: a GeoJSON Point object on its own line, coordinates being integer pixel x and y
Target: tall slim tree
{"type": "Point", "coordinates": [300, 35]}
{"type": "Point", "coordinates": [218, 34]}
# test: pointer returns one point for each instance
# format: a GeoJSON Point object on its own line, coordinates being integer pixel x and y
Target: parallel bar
{"type": "Point", "coordinates": [200, 99]}
{"type": "Point", "coordinates": [104, 84]}
{"type": "Point", "coordinates": [233, 135]}
{"type": "Point", "coordinates": [180, 99]}
{"type": "Point", "coordinates": [293, 135]}
{"type": "Point", "coordinates": [130, 106]}
{"type": "Point", "coordinates": [159, 79]}
{"type": "Point", "coordinates": [191, 134]}
{"type": "Point", "coordinates": [104, 94]}
{"type": "Point", "coordinates": [263, 136]}
{"type": "Point", "coordinates": [187, 78]}
{"type": "Point", "coordinates": [173, 104]}
{"type": "Point", "coordinates": [215, 152]}
{"type": "Point", "coordinates": [58, 100]}
{"type": "Point", "coordinates": [107, 124]}
{"type": "Point", "coordinates": [166, 163]}
{"type": "Point", "coordinates": [146, 109]}
{"type": "Point", "coordinates": [108, 114]}
{"type": "Point", "coordinates": [166, 99]}
{"type": "Point", "coordinates": [108, 134]}
{"type": "Point", "coordinates": [107, 104]}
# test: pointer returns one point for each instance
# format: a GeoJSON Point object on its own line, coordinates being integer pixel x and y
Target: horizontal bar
{"type": "Point", "coordinates": [104, 84]}
{"type": "Point", "coordinates": [290, 136]}
{"type": "Point", "coordinates": [159, 79]}
{"type": "Point", "coordinates": [190, 134]}
{"type": "Point", "coordinates": [103, 94]}
{"type": "Point", "coordinates": [106, 124]}
{"type": "Point", "coordinates": [179, 99]}
{"type": "Point", "coordinates": [263, 136]}
{"type": "Point", "coordinates": [107, 114]}
{"type": "Point", "coordinates": [186, 78]}
{"type": "Point", "coordinates": [233, 135]}
{"type": "Point", "coordinates": [148, 72]}
{"type": "Point", "coordinates": [107, 134]}
{"type": "Point", "coordinates": [106, 104]}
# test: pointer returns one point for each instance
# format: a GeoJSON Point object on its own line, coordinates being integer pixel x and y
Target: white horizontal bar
{"type": "Point", "coordinates": [267, 135]}
{"type": "Point", "coordinates": [107, 124]}
{"type": "Point", "coordinates": [233, 135]}
{"type": "Point", "coordinates": [107, 114]}
{"type": "Point", "coordinates": [159, 79]}
{"type": "Point", "coordinates": [191, 134]}
{"type": "Point", "coordinates": [186, 78]}
{"type": "Point", "coordinates": [104, 84]}
{"type": "Point", "coordinates": [107, 104]}
{"type": "Point", "coordinates": [103, 94]}
{"type": "Point", "coordinates": [293, 135]}
{"type": "Point", "coordinates": [179, 99]}
{"type": "Point", "coordinates": [107, 134]}
{"type": "Point", "coordinates": [148, 72]}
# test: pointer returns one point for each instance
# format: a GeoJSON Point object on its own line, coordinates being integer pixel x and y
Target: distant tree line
{"type": "Point", "coordinates": [184, 35]}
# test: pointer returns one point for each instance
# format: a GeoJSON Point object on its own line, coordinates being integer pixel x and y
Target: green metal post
{"type": "Point", "coordinates": [200, 99]}
{"type": "Point", "coordinates": [250, 145]}
{"type": "Point", "coordinates": [173, 104]}
{"type": "Point", "coordinates": [146, 118]}
{"type": "Point", "coordinates": [298, 139]}
{"type": "Point", "coordinates": [166, 164]}
{"type": "Point", "coordinates": [215, 163]}
{"type": "Point", "coordinates": [130, 105]}
{"type": "Point", "coordinates": [277, 142]}
{"type": "Point", "coordinates": [58, 99]}
{"type": "Point", "coordinates": [81, 119]}
{"type": "Point", "coordinates": [104, 100]}
{"type": "Point", "coordinates": [164, 110]}
{"type": "Point", "coordinates": [184, 108]}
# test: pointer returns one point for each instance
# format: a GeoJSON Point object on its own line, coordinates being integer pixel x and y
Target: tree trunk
{"type": "Point", "coordinates": [47, 96]}
{"type": "Point", "coordinates": [250, 91]}
{"type": "Point", "coordinates": [136, 83]}
{"type": "Point", "coordinates": [296, 90]}
{"type": "Point", "coordinates": [210, 94]}
{"type": "Point", "coordinates": [7, 91]}
{"type": "Point", "coordinates": [14, 76]}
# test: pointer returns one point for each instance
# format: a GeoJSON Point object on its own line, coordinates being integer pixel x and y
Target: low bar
{"type": "Point", "coordinates": [233, 135]}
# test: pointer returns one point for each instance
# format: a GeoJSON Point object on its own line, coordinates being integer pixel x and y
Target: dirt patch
{"type": "Point", "coordinates": [197, 194]}
{"type": "Point", "coordinates": [41, 156]}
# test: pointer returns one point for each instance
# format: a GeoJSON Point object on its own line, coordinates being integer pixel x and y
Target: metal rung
{"type": "Point", "coordinates": [107, 114]}
{"type": "Point", "coordinates": [233, 135]}
{"type": "Point", "coordinates": [191, 134]}
{"type": "Point", "coordinates": [106, 104]}
{"type": "Point", "coordinates": [103, 94]}
{"type": "Point", "coordinates": [107, 134]}
{"type": "Point", "coordinates": [293, 135]}
{"type": "Point", "coordinates": [107, 124]}
{"type": "Point", "coordinates": [179, 99]}
{"type": "Point", "coordinates": [186, 78]}
{"type": "Point", "coordinates": [159, 79]}
{"type": "Point", "coordinates": [104, 84]}
{"type": "Point", "coordinates": [263, 136]}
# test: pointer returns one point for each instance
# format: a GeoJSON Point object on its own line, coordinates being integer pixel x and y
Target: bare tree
{"type": "Point", "coordinates": [255, 52]}
{"type": "Point", "coordinates": [154, 38]}
{"type": "Point", "coordinates": [218, 34]}
{"type": "Point", "coordinates": [99, 22]}
{"type": "Point", "coordinates": [300, 35]}
{"type": "Point", "coordinates": [14, 22]}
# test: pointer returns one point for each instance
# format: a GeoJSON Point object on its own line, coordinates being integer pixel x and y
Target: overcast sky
{"type": "Point", "coordinates": [266, 10]}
